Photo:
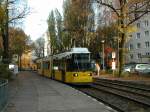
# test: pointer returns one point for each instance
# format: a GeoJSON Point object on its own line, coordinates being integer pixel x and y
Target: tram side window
{"type": "Point", "coordinates": [55, 64]}
{"type": "Point", "coordinates": [46, 65]}
{"type": "Point", "coordinates": [81, 56]}
{"type": "Point", "coordinates": [61, 66]}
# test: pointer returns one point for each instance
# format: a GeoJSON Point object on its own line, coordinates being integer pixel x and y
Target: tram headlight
{"type": "Point", "coordinates": [90, 74]}
{"type": "Point", "coordinates": [75, 75]}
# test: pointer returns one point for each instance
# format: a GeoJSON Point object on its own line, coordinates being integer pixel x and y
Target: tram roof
{"type": "Point", "coordinates": [38, 60]}
{"type": "Point", "coordinates": [67, 54]}
{"type": "Point", "coordinates": [79, 50]}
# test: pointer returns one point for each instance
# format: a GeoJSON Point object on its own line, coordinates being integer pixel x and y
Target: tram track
{"type": "Point", "coordinates": [122, 96]}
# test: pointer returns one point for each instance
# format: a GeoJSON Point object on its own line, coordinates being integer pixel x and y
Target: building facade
{"type": "Point", "coordinates": [27, 61]}
{"type": "Point", "coordinates": [139, 42]}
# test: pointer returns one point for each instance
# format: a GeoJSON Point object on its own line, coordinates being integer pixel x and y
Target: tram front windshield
{"type": "Point", "coordinates": [79, 62]}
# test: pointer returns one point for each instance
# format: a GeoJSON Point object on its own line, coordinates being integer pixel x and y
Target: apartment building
{"type": "Point", "coordinates": [139, 42]}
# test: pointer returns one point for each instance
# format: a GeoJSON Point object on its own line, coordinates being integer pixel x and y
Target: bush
{"type": "Point", "coordinates": [5, 73]}
{"type": "Point", "coordinates": [124, 74]}
{"type": "Point", "coordinates": [109, 71]}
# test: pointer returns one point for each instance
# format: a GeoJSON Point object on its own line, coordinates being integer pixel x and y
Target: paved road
{"type": "Point", "coordinates": [33, 93]}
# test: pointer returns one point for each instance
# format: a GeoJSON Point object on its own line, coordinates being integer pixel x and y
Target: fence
{"type": "Point", "coordinates": [3, 93]}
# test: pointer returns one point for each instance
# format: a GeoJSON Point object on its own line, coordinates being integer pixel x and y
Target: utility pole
{"type": "Point", "coordinates": [103, 56]}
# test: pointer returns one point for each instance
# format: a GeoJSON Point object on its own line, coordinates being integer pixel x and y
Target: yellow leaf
{"type": "Point", "coordinates": [131, 29]}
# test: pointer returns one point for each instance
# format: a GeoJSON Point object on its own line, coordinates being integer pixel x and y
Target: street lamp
{"type": "Point", "coordinates": [103, 52]}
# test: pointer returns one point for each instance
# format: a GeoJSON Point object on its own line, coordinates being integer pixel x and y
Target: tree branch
{"type": "Point", "coordinates": [138, 9]}
{"type": "Point", "coordinates": [136, 18]}
{"type": "Point", "coordinates": [107, 5]}
{"type": "Point", "coordinates": [20, 15]}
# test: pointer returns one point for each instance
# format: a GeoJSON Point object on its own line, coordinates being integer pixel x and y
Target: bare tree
{"type": "Point", "coordinates": [77, 20]}
{"type": "Point", "coordinates": [39, 47]}
{"type": "Point", "coordinates": [11, 13]}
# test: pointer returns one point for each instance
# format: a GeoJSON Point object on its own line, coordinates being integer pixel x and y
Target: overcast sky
{"type": "Point", "coordinates": [36, 22]}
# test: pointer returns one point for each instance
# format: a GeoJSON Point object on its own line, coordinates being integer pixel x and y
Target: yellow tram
{"type": "Point", "coordinates": [73, 66]}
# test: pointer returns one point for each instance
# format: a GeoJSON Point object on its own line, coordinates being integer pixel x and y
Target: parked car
{"type": "Point", "coordinates": [146, 72]}
{"type": "Point", "coordinates": [142, 68]}
{"type": "Point", "coordinates": [139, 68]}
{"type": "Point", "coordinates": [129, 67]}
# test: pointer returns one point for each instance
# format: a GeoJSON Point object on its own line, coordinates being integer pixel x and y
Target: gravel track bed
{"type": "Point", "coordinates": [122, 95]}
{"type": "Point", "coordinates": [125, 94]}
{"type": "Point", "coordinates": [125, 88]}
{"type": "Point", "coordinates": [142, 85]}
{"type": "Point", "coordinates": [117, 102]}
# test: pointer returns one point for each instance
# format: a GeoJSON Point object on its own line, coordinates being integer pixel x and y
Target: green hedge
{"type": "Point", "coordinates": [5, 73]}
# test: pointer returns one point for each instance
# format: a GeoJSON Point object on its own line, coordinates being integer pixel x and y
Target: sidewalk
{"type": "Point", "coordinates": [33, 93]}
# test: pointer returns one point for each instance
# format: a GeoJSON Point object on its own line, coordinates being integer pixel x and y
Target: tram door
{"type": "Point", "coordinates": [63, 70]}
{"type": "Point", "coordinates": [54, 68]}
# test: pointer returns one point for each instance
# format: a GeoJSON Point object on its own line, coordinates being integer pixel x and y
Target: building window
{"type": "Point", "coordinates": [146, 33]}
{"type": "Point", "coordinates": [130, 36]}
{"type": "Point", "coordinates": [139, 55]}
{"type": "Point", "coordinates": [147, 44]}
{"type": "Point", "coordinates": [146, 23]}
{"type": "Point", "coordinates": [138, 25]}
{"type": "Point", "coordinates": [131, 56]}
{"type": "Point", "coordinates": [138, 45]}
{"type": "Point", "coordinates": [147, 53]}
{"type": "Point", "coordinates": [131, 47]}
{"type": "Point", "coordinates": [138, 35]}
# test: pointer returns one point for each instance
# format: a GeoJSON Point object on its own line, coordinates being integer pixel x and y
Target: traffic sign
{"type": "Point", "coordinates": [113, 55]}
{"type": "Point", "coordinates": [113, 65]}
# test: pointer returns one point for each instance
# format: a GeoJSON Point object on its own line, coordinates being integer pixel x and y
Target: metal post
{"type": "Point", "coordinates": [113, 69]}
{"type": "Point", "coordinates": [118, 52]}
{"type": "Point", "coordinates": [103, 52]}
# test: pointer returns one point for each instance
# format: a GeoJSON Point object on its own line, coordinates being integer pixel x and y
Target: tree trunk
{"type": "Point", "coordinates": [123, 36]}
{"type": "Point", "coordinates": [20, 62]}
{"type": "Point", "coordinates": [5, 36]}
{"type": "Point", "coordinates": [5, 58]}
{"type": "Point", "coordinates": [121, 54]}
